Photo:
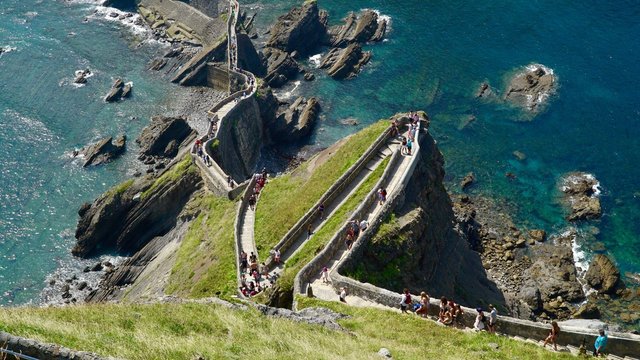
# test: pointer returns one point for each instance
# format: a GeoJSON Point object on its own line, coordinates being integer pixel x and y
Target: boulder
{"type": "Point", "coordinates": [531, 87]}
{"type": "Point", "coordinates": [303, 29]}
{"type": "Point", "coordinates": [538, 235]}
{"type": "Point", "coordinates": [484, 90]}
{"type": "Point", "coordinates": [158, 64]}
{"type": "Point", "coordinates": [587, 311]}
{"type": "Point", "coordinates": [468, 180]}
{"type": "Point", "coordinates": [116, 91]}
{"type": "Point", "coordinates": [603, 275]}
{"type": "Point", "coordinates": [104, 150]}
{"type": "Point", "coordinates": [281, 67]}
{"type": "Point", "coordinates": [520, 155]}
{"type": "Point", "coordinates": [358, 29]}
{"type": "Point", "coordinates": [345, 63]}
{"type": "Point", "coordinates": [163, 136]}
{"type": "Point", "coordinates": [581, 195]}
{"type": "Point", "coordinates": [297, 121]}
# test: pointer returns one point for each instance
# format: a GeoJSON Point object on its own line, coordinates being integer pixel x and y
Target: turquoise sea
{"type": "Point", "coordinates": [436, 55]}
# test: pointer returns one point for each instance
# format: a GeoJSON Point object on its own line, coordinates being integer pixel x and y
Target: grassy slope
{"type": "Point", "coordinates": [320, 239]}
{"type": "Point", "coordinates": [206, 260]}
{"type": "Point", "coordinates": [288, 197]}
{"type": "Point", "coordinates": [182, 331]}
{"type": "Point", "coordinates": [185, 166]}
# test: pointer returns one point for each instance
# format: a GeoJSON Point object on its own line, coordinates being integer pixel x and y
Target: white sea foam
{"type": "Point", "coordinates": [573, 179]}
{"type": "Point", "coordinates": [315, 59]}
{"type": "Point", "coordinates": [289, 93]}
{"type": "Point", "coordinates": [7, 49]}
{"type": "Point", "coordinates": [123, 17]}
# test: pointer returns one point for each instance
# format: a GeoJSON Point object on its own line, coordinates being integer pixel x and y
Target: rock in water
{"type": "Point", "coordinates": [116, 91]}
{"type": "Point", "coordinates": [104, 150]}
{"type": "Point", "coordinates": [281, 67]}
{"type": "Point", "coordinates": [364, 28]}
{"type": "Point", "coordinates": [156, 138]}
{"type": "Point", "coordinates": [587, 311]}
{"type": "Point", "coordinates": [531, 88]}
{"type": "Point", "coordinates": [297, 121]}
{"type": "Point", "coordinates": [126, 90]}
{"type": "Point", "coordinates": [581, 194]}
{"type": "Point", "coordinates": [303, 29]}
{"type": "Point", "coordinates": [603, 275]}
{"type": "Point", "coordinates": [345, 63]}
{"type": "Point", "coordinates": [468, 180]}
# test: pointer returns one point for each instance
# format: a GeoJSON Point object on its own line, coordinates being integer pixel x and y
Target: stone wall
{"type": "Point", "coordinates": [220, 78]}
{"type": "Point", "coordinates": [240, 139]}
{"type": "Point", "coordinates": [41, 350]}
{"type": "Point", "coordinates": [210, 8]}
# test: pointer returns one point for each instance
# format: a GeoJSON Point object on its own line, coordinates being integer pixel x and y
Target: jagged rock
{"type": "Point", "coordinates": [302, 29]}
{"type": "Point", "coordinates": [158, 64]}
{"type": "Point", "coordinates": [126, 90]}
{"type": "Point", "coordinates": [603, 275]}
{"type": "Point", "coordinates": [124, 221]}
{"type": "Point", "coordinates": [531, 87]}
{"type": "Point", "coordinates": [358, 29]}
{"type": "Point", "coordinates": [297, 121]}
{"type": "Point", "coordinates": [538, 235]}
{"type": "Point", "coordinates": [104, 151]}
{"type": "Point", "coordinates": [309, 76]}
{"type": "Point", "coordinates": [116, 91]}
{"type": "Point", "coordinates": [81, 285]}
{"type": "Point", "coordinates": [467, 181]}
{"type": "Point", "coordinates": [350, 122]}
{"type": "Point", "coordinates": [580, 194]}
{"type": "Point", "coordinates": [587, 311]}
{"type": "Point", "coordinates": [345, 63]}
{"type": "Point", "coordinates": [163, 136]}
{"type": "Point", "coordinates": [173, 52]}
{"type": "Point", "coordinates": [484, 90]}
{"type": "Point", "coordinates": [281, 67]}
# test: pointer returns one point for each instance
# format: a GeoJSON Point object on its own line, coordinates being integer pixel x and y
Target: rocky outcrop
{"type": "Point", "coordinates": [296, 121]}
{"type": "Point", "coordinates": [467, 181]}
{"type": "Point", "coordinates": [164, 136]}
{"type": "Point", "coordinates": [587, 311]}
{"type": "Point", "coordinates": [581, 195]}
{"type": "Point", "coordinates": [531, 88]}
{"type": "Point", "coordinates": [358, 29]}
{"type": "Point", "coordinates": [302, 30]}
{"type": "Point", "coordinates": [421, 248]}
{"type": "Point", "coordinates": [603, 275]}
{"type": "Point", "coordinates": [345, 63]}
{"type": "Point", "coordinates": [126, 217]}
{"type": "Point", "coordinates": [104, 151]}
{"type": "Point", "coordinates": [119, 90]}
{"type": "Point", "coordinates": [281, 67]}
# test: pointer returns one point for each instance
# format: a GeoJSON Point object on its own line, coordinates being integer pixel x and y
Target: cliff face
{"type": "Point", "coordinates": [128, 216]}
{"type": "Point", "coordinates": [420, 247]}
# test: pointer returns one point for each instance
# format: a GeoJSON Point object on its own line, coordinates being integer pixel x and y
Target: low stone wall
{"type": "Point", "coordinates": [220, 78]}
{"type": "Point", "coordinates": [43, 351]}
{"type": "Point", "coordinates": [300, 227]}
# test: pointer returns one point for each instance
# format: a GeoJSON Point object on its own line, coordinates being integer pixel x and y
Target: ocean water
{"type": "Point", "coordinates": [436, 55]}
{"type": "Point", "coordinates": [43, 117]}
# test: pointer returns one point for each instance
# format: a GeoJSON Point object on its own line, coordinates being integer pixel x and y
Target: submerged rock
{"type": "Point", "coordinates": [104, 150]}
{"type": "Point", "coordinates": [581, 194]}
{"type": "Point", "coordinates": [468, 180]}
{"type": "Point", "coordinates": [345, 63]}
{"type": "Point", "coordinates": [531, 87]}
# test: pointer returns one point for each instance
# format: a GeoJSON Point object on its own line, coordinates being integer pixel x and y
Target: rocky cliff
{"type": "Point", "coordinates": [420, 247]}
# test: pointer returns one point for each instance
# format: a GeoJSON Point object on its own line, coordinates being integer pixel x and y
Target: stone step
{"type": "Point", "coordinates": [630, 358]}
{"type": "Point", "coordinates": [614, 357]}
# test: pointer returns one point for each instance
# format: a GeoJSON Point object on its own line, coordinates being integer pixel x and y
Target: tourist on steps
{"type": "Point", "coordinates": [600, 344]}
{"type": "Point", "coordinates": [553, 335]}
{"type": "Point", "coordinates": [423, 310]}
{"type": "Point", "coordinates": [479, 325]}
{"type": "Point", "coordinates": [343, 294]}
{"type": "Point", "coordinates": [324, 275]}
{"type": "Point", "coordinates": [493, 318]}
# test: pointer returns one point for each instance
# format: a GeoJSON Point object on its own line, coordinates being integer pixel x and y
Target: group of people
{"type": "Point", "coordinates": [252, 274]}
{"type": "Point", "coordinates": [354, 228]}
{"type": "Point", "coordinates": [198, 149]}
{"type": "Point", "coordinates": [598, 346]}
{"type": "Point", "coordinates": [261, 181]}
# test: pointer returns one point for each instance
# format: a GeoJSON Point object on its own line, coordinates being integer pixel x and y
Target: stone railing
{"type": "Point", "coordinates": [239, 223]}
{"type": "Point", "coordinates": [39, 350]}
{"type": "Point", "coordinates": [309, 217]}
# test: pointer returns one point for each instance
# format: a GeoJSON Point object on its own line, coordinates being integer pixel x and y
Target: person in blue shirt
{"type": "Point", "coordinates": [600, 343]}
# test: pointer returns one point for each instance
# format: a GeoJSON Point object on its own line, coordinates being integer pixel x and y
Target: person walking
{"type": "Point", "coordinates": [309, 232]}
{"type": "Point", "coordinates": [600, 344]}
{"type": "Point", "coordinates": [423, 310]}
{"type": "Point", "coordinates": [343, 295]}
{"type": "Point", "coordinates": [324, 275]}
{"type": "Point", "coordinates": [553, 335]}
{"type": "Point", "coordinates": [493, 318]}
{"type": "Point", "coordinates": [479, 324]}
{"type": "Point", "coordinates": [321, 211]}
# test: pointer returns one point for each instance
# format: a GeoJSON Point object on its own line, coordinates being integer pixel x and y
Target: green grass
{"type": "Point", "coordinates": [185, 166]}
{"type": "Point", "coordinates": [322, 236]}
{"type": "Point", "coordinates": [206, 265]}
{"type": "Point", "coordinates": [185, 331]}
{"type": "Point", "coordinates": [121, 188]}
{"type": "Point", "coordinates": [288, 197]}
